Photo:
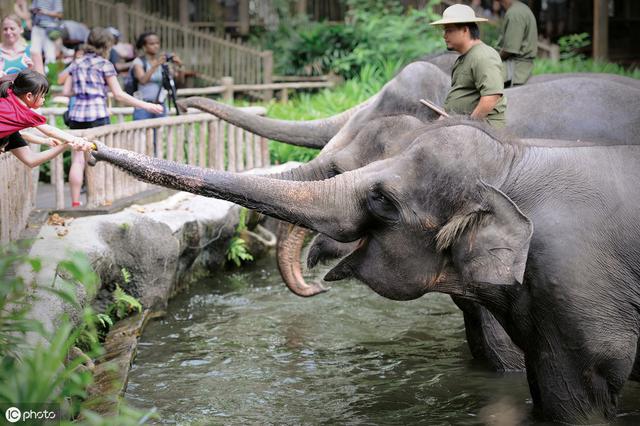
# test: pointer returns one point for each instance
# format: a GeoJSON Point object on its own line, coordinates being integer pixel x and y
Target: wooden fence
{"type": "Point", "coordinates": [209, 56]}
{"type": "Point", "coordinates": [195, 138]}
{"type": "Point", "coordinates": [18, 188]}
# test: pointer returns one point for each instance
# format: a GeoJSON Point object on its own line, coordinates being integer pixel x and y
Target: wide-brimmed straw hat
{"type": "Point", "coordinates": [458, 14]}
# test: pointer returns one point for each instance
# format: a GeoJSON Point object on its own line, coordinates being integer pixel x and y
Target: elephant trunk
{"type": "Point", "coordinates": [320, 205]}
{"type": "Point", "coordinates": [311, 134]}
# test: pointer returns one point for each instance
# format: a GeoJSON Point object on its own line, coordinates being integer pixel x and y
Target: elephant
{"type": "Point", "coordinates": [357, 143]}
{"type": "Point", "coordinates": [544, 238]}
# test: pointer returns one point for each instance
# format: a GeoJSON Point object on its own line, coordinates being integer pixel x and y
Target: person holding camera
{"type": "Point", "coordinates": [152, 72]}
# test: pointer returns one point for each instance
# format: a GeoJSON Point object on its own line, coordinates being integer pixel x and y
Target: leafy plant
{"type": "Point", "coordinates": [41, 374]}
{"type": "Point", "coordinates": [238, 250]}
{"type": "Point", "coordinates": [572, 45]}
{"type": "Point", "coordinates": [123, 305]}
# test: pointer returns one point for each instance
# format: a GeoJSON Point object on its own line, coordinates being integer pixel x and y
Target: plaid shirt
{"type": "Point", "coordinates": [89, 75]}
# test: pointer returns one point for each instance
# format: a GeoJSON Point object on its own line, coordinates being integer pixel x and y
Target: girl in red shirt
{"type": "Point", "coordinates": [17, 99]}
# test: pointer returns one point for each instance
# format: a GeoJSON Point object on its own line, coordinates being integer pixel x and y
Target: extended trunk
{"type": "Point", "coordinates": [311, 134]}
{"type": "Point", "coordinates": [314, 205]}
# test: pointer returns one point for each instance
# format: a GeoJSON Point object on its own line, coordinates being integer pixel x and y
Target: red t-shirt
{"type": "Point", "coordinates": [15, 116]}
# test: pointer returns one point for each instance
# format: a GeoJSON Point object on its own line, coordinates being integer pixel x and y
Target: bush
{"type": "Point", "coordinates": [42, 375]}
{"type": "Point", "coordinates": [376, 32]}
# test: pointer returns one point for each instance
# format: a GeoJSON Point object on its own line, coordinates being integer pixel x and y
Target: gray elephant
{"type": "Point", "coordinates": [545, 238]}
{"type": "Point", "coordinates": [357, 141]}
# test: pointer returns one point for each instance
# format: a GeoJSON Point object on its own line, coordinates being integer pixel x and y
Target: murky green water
{"type": "Point", "coordinates": [240, 349]}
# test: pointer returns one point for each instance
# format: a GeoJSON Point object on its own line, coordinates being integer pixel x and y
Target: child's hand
{"type": "Point", "coordinates": [81, 144]}
{"type": "Point", "coordinates": [51, 142]}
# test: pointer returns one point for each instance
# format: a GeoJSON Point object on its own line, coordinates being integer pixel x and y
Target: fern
{"type": "Point", "coordinates": [123, 304]}
{"type": "Point", "coordinates": [238, 251]}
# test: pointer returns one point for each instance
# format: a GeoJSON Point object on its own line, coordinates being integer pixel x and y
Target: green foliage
{"type": "Point", "coordinates": [572, 45]}
{"type": "Point", "coordinates": [238, 250]}
{"type": "Point", "coordinates": [546, 66]}
{"type": "Point", "coordinates": [42, 374]}
{"type": "Point", "coordinates": [376, 32]}
{"type": "Point", "coordinates": [123, 305]}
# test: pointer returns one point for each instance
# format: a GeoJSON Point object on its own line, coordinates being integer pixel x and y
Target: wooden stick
{"type": "Point", "coordinates": [434, 107]}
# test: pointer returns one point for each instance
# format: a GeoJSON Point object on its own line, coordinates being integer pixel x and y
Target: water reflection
{"type": "Point", "coordinates": [241, 349]}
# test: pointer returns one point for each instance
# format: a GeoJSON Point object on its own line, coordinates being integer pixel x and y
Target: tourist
{"type": "Point", "coordinates": [92, 75]}
{"type": "Point", "coordinates": [15, 53]}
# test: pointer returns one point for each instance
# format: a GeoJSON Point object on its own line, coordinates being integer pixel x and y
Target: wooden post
{"type": "Point", "coordinates": [243, 17]}
{"type": "Point", "coordinates": [301, 7]}
{"type": "Point", "coordinates": [227, 83]}
{"type": "Point", "coordinates": [600, 29]}
{"type": "Point", "coordinates": [184, 13]}
{"type": "Point", "coordinates": [121, 19]}
{"type": "Point", "coordinates": [267, 64]}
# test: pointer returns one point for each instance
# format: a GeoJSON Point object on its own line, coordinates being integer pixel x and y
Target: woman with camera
{"type": "Point", "coordinates": [148, 71]}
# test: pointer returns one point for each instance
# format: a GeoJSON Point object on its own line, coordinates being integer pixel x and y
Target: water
{"type": "Point", "coordinates": [240, 349]}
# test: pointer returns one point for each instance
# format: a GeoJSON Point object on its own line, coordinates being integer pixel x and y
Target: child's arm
{"type": "Point", "coordinates": [126, 98]}
{"type": "Point", "coordinates": [33, 159]}
{"type": "Point", "coordinates": [31, 138]}
{"type": "Point", "coordinates": [65, 137]}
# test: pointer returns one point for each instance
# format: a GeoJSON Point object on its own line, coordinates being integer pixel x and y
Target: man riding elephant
{"type": "Point", "coordinates": [477, 87]}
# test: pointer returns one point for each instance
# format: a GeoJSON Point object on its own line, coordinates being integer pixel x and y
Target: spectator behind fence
{"type": "Point", "coordinates": [147, 70]}
{"type": "Point", "coordinates": [91, 77]}
{"type": "Point", "coordinates": [15, 53]}
{"type": "Point", "coordinates": [21, 10]}
{"type": "Point", "coordinates": [118, 61]}
{"type": "Point", "coordinates": [46, 28]}
{"type": "Point", "coordinates": [17, 99]}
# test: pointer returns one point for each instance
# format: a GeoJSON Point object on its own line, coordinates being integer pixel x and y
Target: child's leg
{"type": "Point", "coordinates": [76, 176]}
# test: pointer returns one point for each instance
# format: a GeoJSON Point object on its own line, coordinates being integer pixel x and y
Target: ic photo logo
{"type": "Point", "coordinates": [13, 414]}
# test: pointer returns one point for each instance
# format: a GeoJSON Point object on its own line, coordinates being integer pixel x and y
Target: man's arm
{"type": "Point", "coordinates": [485, 105]}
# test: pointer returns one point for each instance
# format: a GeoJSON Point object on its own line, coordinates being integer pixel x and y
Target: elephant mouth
{"type": "Point", "coordinates": [346, 267]}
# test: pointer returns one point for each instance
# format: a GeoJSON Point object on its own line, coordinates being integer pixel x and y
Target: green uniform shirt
{"type": "Point", "coordinates": [519, 37]}
{"type": "Point", "coordinates": [477, 73]}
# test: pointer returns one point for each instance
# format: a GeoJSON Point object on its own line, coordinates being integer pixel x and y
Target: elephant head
{"type": "Point", "coordinates": [426, 219]}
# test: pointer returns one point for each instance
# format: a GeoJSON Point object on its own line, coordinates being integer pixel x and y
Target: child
{"type": "Point", "coordinates": [92, 76]}
{"type": "Point", "coordinates": [17, 99]}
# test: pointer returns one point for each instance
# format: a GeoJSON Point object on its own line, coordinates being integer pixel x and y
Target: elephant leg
{"type": "Point", "coordinates": [487, 339]}
{"type": "Point", "coordinates": [635, 371]}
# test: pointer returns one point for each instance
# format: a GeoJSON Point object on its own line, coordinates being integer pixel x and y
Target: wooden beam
{"type": "Point", "coordinates": [600, 29]}
{"type": "Point", "coordinates": [301, 7]}
{"type": "Point", "coordinates": [184, 13]}
{"type": "Point", "coordinates": [243, 17]}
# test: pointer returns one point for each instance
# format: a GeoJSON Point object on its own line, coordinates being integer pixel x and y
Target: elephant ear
{"type": "Point", "coordinates": [493, 247]}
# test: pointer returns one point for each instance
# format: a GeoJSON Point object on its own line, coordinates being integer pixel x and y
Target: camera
{"type": "Point", "coordinates": [169, 57]}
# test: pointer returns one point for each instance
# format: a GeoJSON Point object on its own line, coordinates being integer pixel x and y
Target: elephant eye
{"type": "Point", "coordinates": [382, 206]}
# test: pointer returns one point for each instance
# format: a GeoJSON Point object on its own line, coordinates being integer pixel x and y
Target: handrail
{"type": "Point", "coordinates": [197, 139]}
{"type": "Point", "coordinates": [211, 57]}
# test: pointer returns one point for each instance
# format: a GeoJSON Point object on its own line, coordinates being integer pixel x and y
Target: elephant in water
{"type": "Point", "coordinates": [545, 238]}
{"type": "Point", "coordinates": [354, 141]}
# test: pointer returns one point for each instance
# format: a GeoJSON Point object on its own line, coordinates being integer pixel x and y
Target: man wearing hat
{"type": "Point", "coordinates": [477, 87]}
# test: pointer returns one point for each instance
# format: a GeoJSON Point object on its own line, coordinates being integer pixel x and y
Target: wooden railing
{"type": "Point", "coordinates": [209, 56]}
{"type": "Point", "coordinates": [196, 139]}
{"type": "Point", "coordinates": [18, 188]}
